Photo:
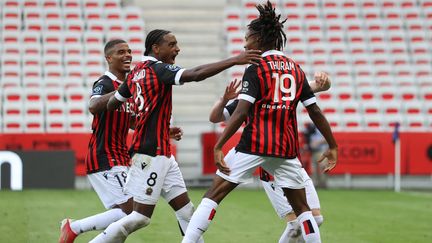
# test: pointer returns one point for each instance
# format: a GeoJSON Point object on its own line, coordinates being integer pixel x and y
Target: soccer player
{"type": "Point", "coordinates": [154, 171]}
{"type": "Point", "coordinates": [107, 159]}
{"type": "Point", "coordinates": [222, 111]}
{"type": "Point", "coordinates": [270, 93]}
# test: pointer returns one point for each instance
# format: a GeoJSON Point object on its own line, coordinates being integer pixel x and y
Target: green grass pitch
{"type": "Point", "coordinates": [356, 216]}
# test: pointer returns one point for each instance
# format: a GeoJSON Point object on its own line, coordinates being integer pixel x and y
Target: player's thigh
{"type": "Point", "coordinates": [277, 198]}
{"type": "Point", "coordinates": [311, 195]}
{"type": "Point", "coordinates": [109, 185]}
{"type": "Point", "coordinates": [287, 172]}
{"type": "Point", "coordinates": [146, 178]}
{"type": "Point", "coordinates": [241, 165]}
{"type": "Point", "coordinates": [174, 184]}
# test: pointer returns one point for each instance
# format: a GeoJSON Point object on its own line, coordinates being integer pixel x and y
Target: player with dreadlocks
{"type": "Point", "coordinates": [267, 102]}
{"type": "Point", "coordinates": [154, 172]}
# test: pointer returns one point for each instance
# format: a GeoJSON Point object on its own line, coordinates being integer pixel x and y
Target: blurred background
{"type": "Point", "coordinates": [378, 54]}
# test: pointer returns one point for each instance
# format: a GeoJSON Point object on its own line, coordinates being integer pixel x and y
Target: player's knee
{"type": "Point", "coordinates": [319, 219]}
{"type": "Point", "coordinates": [135, 221]}
{"type": "Point", "coordinates": [185, 213]}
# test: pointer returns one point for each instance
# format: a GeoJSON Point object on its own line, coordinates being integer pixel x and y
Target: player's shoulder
{"type": "Point", "coordinates": [253, 67]}
{"type": "Point", "coordinates": [160, 66]}
{"type": "Point", "coordinates": [104, 81]}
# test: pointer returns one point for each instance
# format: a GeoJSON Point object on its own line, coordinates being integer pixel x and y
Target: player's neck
{"type": "Point", "coordinates": [120, 75]}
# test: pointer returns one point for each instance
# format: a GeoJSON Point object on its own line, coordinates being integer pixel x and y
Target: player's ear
{"type": "Point", "coordinates": [155, 49]}
{"type": "Point", "coordinates": [108, 59]}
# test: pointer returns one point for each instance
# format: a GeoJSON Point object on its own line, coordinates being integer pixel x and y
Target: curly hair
{"type": "Point", "coordinates": [269, 27]}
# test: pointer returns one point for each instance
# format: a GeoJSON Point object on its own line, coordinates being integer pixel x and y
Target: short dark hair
{"type": "Point", "coordinates": [110, 44]}
{"type": "Point", "coordinates": [269, 27]}
{"type": "Point", "coordinates": [154, 37]}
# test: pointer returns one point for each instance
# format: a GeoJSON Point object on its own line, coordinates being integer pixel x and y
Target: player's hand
{"type": "Point", "coordinates": [322, 80]}
{"type": "Point", "coordinates": [231, 91]}
{"type": "Point", "coordinates": [248, 57]}
{"type": "Point", "coordinates": [176, 133]}
{"type": "Point", "coordinates": [220, 162]}
{"type": "Point", "coordinates": [331, 155]}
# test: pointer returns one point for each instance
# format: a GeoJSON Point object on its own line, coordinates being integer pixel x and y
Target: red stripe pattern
{"type": "Point", "coordinates": [212, 214]}
{"type": "Point", "coordinates": [272, 123]}
{"type": "Point", "coordinates": [151, 135]}
{"type": "Point", "coordinates": [308, 228]}
{"type": "Point", "coordinates": [107, 145]}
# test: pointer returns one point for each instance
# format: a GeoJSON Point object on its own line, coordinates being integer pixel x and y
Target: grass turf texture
{"type": "Point", "coordinates": [245, 216]}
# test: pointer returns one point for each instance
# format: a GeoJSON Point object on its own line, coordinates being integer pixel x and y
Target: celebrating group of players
{"type": "Point", "coordinates": [130, 182]}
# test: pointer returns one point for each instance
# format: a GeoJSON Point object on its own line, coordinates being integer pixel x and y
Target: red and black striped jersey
{"type": "Point", "coordinates": [108, 146]}
{"type": "Point", "coordinates": [274, 87]}
{"type": "Point", "coordinates": [150, 83]}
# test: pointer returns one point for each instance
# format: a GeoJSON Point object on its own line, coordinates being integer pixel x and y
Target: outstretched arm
{"type": "Point", "coordinates": [236, 120]}
{"type": "Point", "coordinates": [207, 70]}
{"type": "Point", "coordinates": [323, 126]}
{"type": "Point", "coordinates": [216, 113]}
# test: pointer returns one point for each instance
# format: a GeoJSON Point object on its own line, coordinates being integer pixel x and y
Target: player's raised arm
{"type": "Point", "coordinates": [217, 112]}
{"type": "Point", "coordinates": [323, 126]}
{"type": "Point", "coordinates": [207, 70]}
{"type": "Point", "coordinates": [321, 82]}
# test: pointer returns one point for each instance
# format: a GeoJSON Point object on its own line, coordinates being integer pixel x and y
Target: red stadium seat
{"type": "Point", "coordinates": [54, 95]}
{"type": "Point", "coordinates": [367, 93]}
{"type": "Point", "coordinates": [12, 3]}
{"type": "Point", "coordinates": [12, 94]}
{"type": "Point", "coordinates": [74, 25]}
{"type": "Point", "coordinates": [12, 13]}
{"type": "Point", "coordinates": [91, 14]}
{"type": "Point", "coordinates": [72, 14]}
{"type": "Point", "coordinates": [46, 4]}
{"type": "Point", "coordinates": [56, 124]}
{"type": "Point", "coordinates": [30, 4]}
{"type": "Point", "coordinates": [92, 4]}
{"type": "Point", "coordinates": [11, 25]}
{"type": "Point", "coordinates": [112, 4]}
{"type": "Point", "coordinates": [132, 13]}
{"type": "Point", "coordinates": [33, 109]}
{"type": "Point", "coordinates": [13, 124]}
{"type": "Point", "coordinates": [426, 93]}
{"type": "Point", "coordinates": [34, 124]}
{"type": "Point", "coordinates": [113, 14]}
{"type": "Point", "coordinates": [78, 124]}
{"type": "Point", "coordinates": [373, 122]}
{"type": "Point", "coordinates": [412, 107]}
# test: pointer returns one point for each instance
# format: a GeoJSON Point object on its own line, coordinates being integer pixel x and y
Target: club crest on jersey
{"type": "Point", "coordinates": [139, 76]}
{"type": "Point", "coordinates": [245, 85]}
{"type": "Point", "coordinates": [172, 67]}
{"type": "Point", "coordinates": [149, 191]}
{"type": "Point", "coordinates": [97, 90]}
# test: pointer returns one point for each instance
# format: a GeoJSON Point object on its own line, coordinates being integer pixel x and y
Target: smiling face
{"type": "Point", "coordinates": [167, 49]}
{"type": "Point", "coordinates": [119, 58]}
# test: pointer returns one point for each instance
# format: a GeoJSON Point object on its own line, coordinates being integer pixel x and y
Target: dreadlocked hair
{"type": "Point", "coordinates": [154, 37]}
{"type": "Point", "coordinates": [269, 27]}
